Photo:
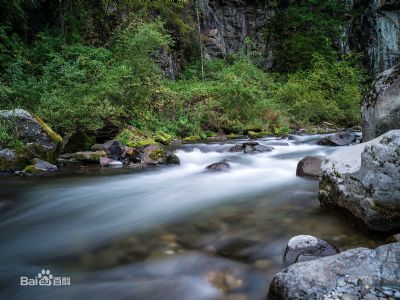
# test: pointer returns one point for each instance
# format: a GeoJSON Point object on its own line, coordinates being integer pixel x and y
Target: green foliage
{"type": "Point", "coordinates": [329, 91]}
{"type": "Point", "coordinates": [84, 74]}
{"type": "Point", "coordinates": [234, 95]}
{"type": "Point", "coordinates": [305, 28]}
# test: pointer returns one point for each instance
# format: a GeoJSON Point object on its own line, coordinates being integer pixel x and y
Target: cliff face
{"type": "Point", "coordinates": [375, 31]}
{"type": "Point", "coordinates": [227, 25]}
{"type": "Point", "coordinates": [373, 28]}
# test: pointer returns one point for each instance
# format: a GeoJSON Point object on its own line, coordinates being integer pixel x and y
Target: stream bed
{"type": "Point", "coordinates": [169, 232]}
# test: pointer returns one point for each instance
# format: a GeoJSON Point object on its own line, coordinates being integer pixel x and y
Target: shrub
{"type": "Point", "coordinates": [329, 91]}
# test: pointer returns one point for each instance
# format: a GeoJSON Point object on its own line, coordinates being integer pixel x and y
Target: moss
{"type": "Point", "coordinates": [234, 136]}
{"type": "Point", "coordinates": [211, 134]}
{"type": "Point", "coordinates": [254, 135]}
{"type": "Point", "coordinates": [55, 137]}
{"type": "Point", "coordinates": [192, 139]}
{"type": "Point", "coordinates": [163, 138]}
{"type": "Point", "coordinates": [157, 154]}
{"type": "Point", "coordinates": [32, 169]}
{"type": "Point", "coordinates": [135, 138]}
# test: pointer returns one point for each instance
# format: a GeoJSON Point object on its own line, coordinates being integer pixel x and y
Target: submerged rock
{"type": "Point", "coordinates": [307, 247]}
{"type": "Point", "coordinates": [251, 147]}
{"type": "Point", "coordinates": [219, 166]}
{"type": "Point", "coordinates": [236, 148]}
{"type": "Point", "coordinates": [339, 139]}
{"type": "Point", "coordinates": [381, 105]}
{"type": "Point", "coordinates": [108, 162]}
{"type": "Point", "coordinates": [309, 166]}
{"type": "Point", "coordinates": [357, 272]}
{"type": "Point", "coordinates": [365, 180]}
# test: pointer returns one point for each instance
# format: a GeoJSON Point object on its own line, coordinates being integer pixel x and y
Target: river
{"type": "Point", "coordinates": [165, 233]}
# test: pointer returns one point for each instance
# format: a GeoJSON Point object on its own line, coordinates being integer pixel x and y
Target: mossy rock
{"type": "Point", "coordinates": [35, 137]}
{"type": "Point", "coordinates": [256, 135]}
{"type": "Point", "coordinates": [157, 154]}
{"type": "Point", "coordinates": [89, 157]}
{"type": "Point", "coordinates": [135, 138]}
{"type": "Point", "coordinates": [13, 160]}
{"type": "Point", "coordinates": [234, 136]}
{"type": "Point", "coordinates": [191, 139]}
{"type": "Point", "coordinates": [33, 170]}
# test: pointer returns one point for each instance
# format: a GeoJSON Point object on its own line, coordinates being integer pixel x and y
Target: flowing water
{"type": "Point", "coordinates": [165, 233]}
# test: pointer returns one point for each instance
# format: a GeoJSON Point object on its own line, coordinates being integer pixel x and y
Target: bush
{"type": "Point", "coordinates": [329, 91]}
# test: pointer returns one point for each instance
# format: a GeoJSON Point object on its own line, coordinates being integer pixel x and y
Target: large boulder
{"type": "Point", "coordinates": [381, 105]}
{"type": "Point", "coordinates": [34, 137]}
{"type": "Point", "coordinates": [359, 273]}
{"type": "Point", "coordinates": [365, 180]}
{"type": "Point", "coordinates": [309, 166]}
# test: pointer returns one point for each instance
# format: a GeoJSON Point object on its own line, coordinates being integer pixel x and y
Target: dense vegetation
{"type": "Point", "coordinates": [84, 70]}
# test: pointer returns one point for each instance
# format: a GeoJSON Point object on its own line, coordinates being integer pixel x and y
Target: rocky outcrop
{"type": "Point", "coordinates": [365, 180]}
{"type": "Point", "coordinates": [374, 29]}
{"type": "Point", "coordinates": [358, 273]}
{"type": "Point", "coordinates": [381, 105]}
{"type": "Point", "coordinates": [307, 247]}
{"type": "Point", "coordinates": [35, 139]}
{"type": "Point", "coordinates": [226, 25]}
{"type": "Point", "coordinates": [309, 166]}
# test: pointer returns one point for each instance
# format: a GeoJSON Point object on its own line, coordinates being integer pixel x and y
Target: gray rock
{"type": "Point", "coordinates": [339, 139]}
{"type": "Point", "coordinates": [219, 166]}
{"type": "Point", "coordinates": [254, 147]}
{"type": "Point", "coordinates": [44, 165]}
{"type": "Point", "coordinates": [364, 179]}
{"type": "Point", "coordinates": [381, 105]}
{"type": "Point", "coordinates": [114, 149]}
{"type": "Point", "coordinates": [356, 272]}
{"type": "Point", "coordinates": [307, 247]}
{"type": "Point", "coordinates": [309, 166]}
{"type": "Point", "coordinates": [108, 162]}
